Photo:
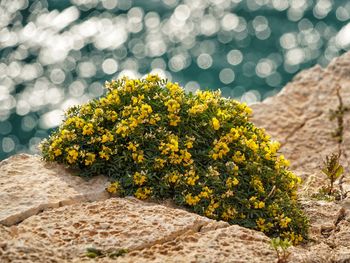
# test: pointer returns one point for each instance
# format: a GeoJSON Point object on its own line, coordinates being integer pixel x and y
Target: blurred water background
{"type": "Point", "coordinates": [58, 53]}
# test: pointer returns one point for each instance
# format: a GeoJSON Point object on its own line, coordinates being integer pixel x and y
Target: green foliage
{"type": "Point", "coordinates": [281, 247]}
{"type": "Point", "coordinates": [157, 142]}
{"type": "Point", "coordinates": [94, 253]}
{"type": "Point", "coordinates": [333, 170]}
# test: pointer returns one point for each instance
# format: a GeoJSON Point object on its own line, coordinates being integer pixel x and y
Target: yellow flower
{"type": "Point", "coordinates": [113, 188]}
{"type": "Point", "coordinates": [72, 155]}
{"type": "Point", "coordinates": [173, 177]}
{"type": "Point", "coordinates": [259, 205]}
{"type": "Point", "coordinates": [223, 114]}
{"type": "Point", "coordinates": [133, 123]}
{"type": "Point", "coordinates": [295, 238]}
{"type": "Point", "coordinates": [112, 116]}
{"type": "Point", "coordinates": [191, 177]}
{"type": "Point", "coordinates": [152, 78]}
{"type": "Point", "coordinates": [112, 98]}
{"type": "Point", "coordinates": [209, 212]}
{"type": "Point", "coordinates": [105, 153]}
{"type": "Point", "coordinates": [57, 152]}
{"type": "Point", "coordinates": [198, 108]}
{"type": "Point", "coordinates": [145, 110]}
{"type": "Point", "coordinates": [229, 214]}
{"type": "Point", "coordinates": [88, 129]}
{"type": "Point", "coordinates": [154, 119]}
{"type": "Point", "coordinates": [252, 145]}
{"type": "Point", "coordinates": [123, 128]}
{"type": "Point", "coordinates": [206, 192]}
{"type": "Point", "coordinates": [189, 142]}
{"type": "Point", "coordinates": [232, 181]}
{"type": "Point", "coordinates": [174, 89]}
{"type": "Point", "coordinates": [107, 138]}
{"type": "Point", "coordinates": [260, 223]}
{"type": "Point", "coordinates": [220, 150]}
{"type": "Point", "coordinates": [173, 119]}
{"type": "Point", "coordinates": [143, 193]}
{"type": "Point", "coordinates": [98, 112]}
{"type": "Point", "coordinates": [129, 86]}
{"type": "Point", "coordinates": [257, 184]}
{"type": "Point", "coordinates": [171, 146]}
{"type": "Point", "coordinates": [172, 105]}
{"type": "Point", "coordinates": [159, 163]}
{"type": "Point", "coordinates": [138, 157]}
{"type": "Point", "coordinates": [139, 178]}
{"type": "Point", "coordinates": [238, 157]}
{"type": "Point", "coordinates": [133, 146]}
{"type": "Point", "coordinates": [285, 221]}
{"type": "Point", "coordinates": [191, 200]}
{"type": "Point", "coordinates": [90, 158]}
{"type": "Point", "coordinates": [68, 135]}
{"type": "Point", "coordinates": [215, 123]}
{"type": "Point", "coordinates": [281, 162]}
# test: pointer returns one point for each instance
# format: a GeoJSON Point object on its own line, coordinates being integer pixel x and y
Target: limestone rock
{"type": "Point", "coordinates": [329, 234]}
{"type": "Point", "coordinates": [231, 244]}
{"type": "Point", "coordinates": [299, 116]}
{"type": "Point", "coordinates": [29, 185]}
{"type": "Point", "coordinates": [323, 216]}
{"type": "Point", "coordinates": [313, 253]}
{"type": "Point", "coordinates": [116, 223]}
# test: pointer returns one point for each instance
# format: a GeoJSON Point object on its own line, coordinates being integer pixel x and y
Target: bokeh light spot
{"type": "Point", "coordinates": [8, 144]}
{"type": "Point", "coordinates": [227, 75]}
{"type": "Point", "coordinates": [110, 66]}
{"type": "Point", "coordinates": [204, 61]}
{"type": "Point", "coordinates": [234, 57]}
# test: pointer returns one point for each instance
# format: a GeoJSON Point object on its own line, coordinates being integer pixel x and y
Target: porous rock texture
{"type": "Point", "coordinates": [49, 215]}
{"type": "Point", "coordinates": [29, 185]}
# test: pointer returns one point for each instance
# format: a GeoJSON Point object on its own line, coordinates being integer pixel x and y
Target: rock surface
{"type": "Point", "coordinates": [107, 225]}
{"type": "Point", "coordinates": [298, 117]}
{"type": "Point", "coordinates": [78, 214]}
{"type": "Point", "coordinates": [28, 186]}
{"type": "Point", "coordinates": [231, 244]}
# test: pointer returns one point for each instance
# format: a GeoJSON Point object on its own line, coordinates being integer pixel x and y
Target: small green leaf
{"type": "Point", "coordinates": [93, 252]}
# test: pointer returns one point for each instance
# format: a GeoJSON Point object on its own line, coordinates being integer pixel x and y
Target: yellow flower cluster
{"type": "Point", "coordinates": [191, 177]}
{"type": "Point", "coordinates": [229, 214]}
{"type": "Point", "coordinates": [255, 203]}
{"type": "Point", "coordinates": [175, 155]}
{"type": "Point", "coordinates": [198, 109]}
{"type": "Point", "coordinates": [192, 200]}
{"type": "Point", "coordinates": [201, 150]}
{"type": "Point", "coordinates": [72, 155]}
{"type": "Point", "coordinates": [257, 184]}
{"type": "Point", "coordinates": [139, 178]}
{"type": "Point", "coordinates": [173, 177]}
{"type": "Point", "coordinates": [143, 193]}
{"type": "Point", "coordinates": [220, 150]}
{"type": "Point", "coordinates": [113, 188]}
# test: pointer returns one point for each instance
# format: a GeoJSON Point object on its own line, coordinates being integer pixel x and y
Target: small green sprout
{"type": "Point", "coordinates": [94, 253]}
{"type": "Point", "coordinates": [333, 169]}
{"type": "Point", "coordinates": [281, 248]}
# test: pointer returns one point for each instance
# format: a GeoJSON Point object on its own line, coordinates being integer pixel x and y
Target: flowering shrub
{"type": "Point", "coordinates": [156, 142]}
